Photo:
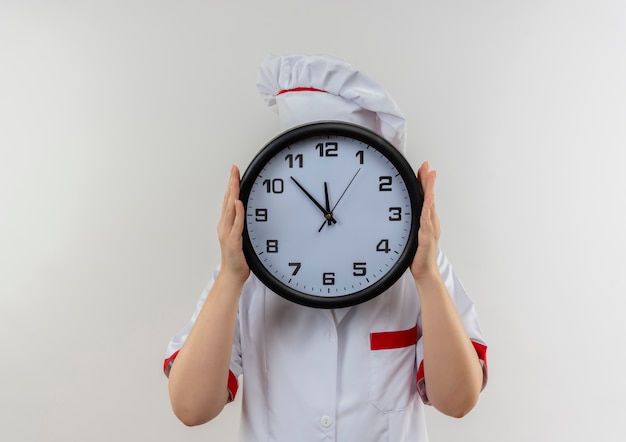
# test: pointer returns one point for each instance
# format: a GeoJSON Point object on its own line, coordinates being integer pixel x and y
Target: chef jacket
{"type": "Point", "coordinates": [350, 374]}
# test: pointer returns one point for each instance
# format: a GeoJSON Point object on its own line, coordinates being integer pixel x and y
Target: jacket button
{"type": "Point", "coordinates": [326, 421]}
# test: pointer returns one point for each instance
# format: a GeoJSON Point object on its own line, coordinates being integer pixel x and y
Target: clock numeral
{"type": "Point", "coordinates": [260, 215]}
{"type": "Point", "coordinates": [271, 246]}
{"type": "Point", "coordinates": [328, 149]}
{"type": "Point", "coordinates": [383, 246]}
{"type": "Point", "coordinates": [396, 214]}
{"type": "Point", "coordinates": [328, 278]}
{"type": "Point", "coordinates": [297, 266]}
{"type": "Point", "coordinates": [359, 154]}
{"type": "Point", "coordinates": [299, 159]}
{"type": "Point", "coordinates": [384, 184]}
{"type": "Point", "coordinates": [359, 269]}
{"type": "Point", "coordinates": [274, 186]}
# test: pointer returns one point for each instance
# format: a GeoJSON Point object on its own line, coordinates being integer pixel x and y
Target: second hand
{"type": "Point", "coordinates": [342, 194]}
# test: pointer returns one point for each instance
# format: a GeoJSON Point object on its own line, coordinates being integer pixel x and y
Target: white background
{"type": "Point", "coordinates": [119, 121]}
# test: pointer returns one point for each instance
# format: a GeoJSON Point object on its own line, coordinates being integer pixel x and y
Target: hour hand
{"type": "Point", "coordinates": [327, 214]}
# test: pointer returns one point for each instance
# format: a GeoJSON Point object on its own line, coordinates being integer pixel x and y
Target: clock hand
{"type": "Point", "coordinates": [327, 214]}
{"type": "Point", "coordinates": [342, 194]}
{"type": "Point", "coordinates": [330, 221]}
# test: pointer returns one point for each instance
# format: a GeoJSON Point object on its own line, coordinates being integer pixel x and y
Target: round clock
{"type": "Point", "coordinates": [332, 214]}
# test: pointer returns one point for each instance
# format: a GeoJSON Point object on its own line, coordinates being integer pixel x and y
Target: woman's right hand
{"type": "Point", "coordinates": [230, 229]}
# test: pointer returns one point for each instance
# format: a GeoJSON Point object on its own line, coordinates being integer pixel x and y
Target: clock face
{"type": "Point", "coordinates": [332, 213]}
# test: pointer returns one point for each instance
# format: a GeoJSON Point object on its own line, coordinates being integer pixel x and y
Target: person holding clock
{"type": "Point", "coordinates": [345, 321]}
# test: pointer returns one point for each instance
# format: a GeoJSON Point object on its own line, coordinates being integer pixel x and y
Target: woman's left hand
{"type": "Point", "coordinates": [424, 263]}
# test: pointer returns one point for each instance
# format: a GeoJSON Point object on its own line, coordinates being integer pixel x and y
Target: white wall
{"type": "Point", "coordinates": [119, 121]}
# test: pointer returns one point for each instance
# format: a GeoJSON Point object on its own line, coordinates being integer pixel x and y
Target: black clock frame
{"type": "Point", "coordinates": [375, 141]}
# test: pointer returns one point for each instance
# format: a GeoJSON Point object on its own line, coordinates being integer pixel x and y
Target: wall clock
{"type": "Point", "coordinates": [332, 214]}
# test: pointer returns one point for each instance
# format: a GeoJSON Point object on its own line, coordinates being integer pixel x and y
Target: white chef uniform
{"type": "Point", "coordinates": [351, 374]}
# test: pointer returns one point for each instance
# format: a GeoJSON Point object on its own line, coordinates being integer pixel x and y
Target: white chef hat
{"type": "Point", "coordinates": [307, 88]}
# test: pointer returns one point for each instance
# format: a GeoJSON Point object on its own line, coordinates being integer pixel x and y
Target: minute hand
{"type": "Point", "coordinates": [328, 215]}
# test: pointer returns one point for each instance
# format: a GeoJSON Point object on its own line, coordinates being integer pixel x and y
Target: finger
{"type": "Point", "coordinates": [237, 229]}
{"type": "Point", "coordinates": [428, 182]}
{"type": "Point", "coordinates": [427, 209]}
{"type": "Point", "coordinates": [428, 178]}
{"type": "Point", "coordinates": [421, 172]}
{"type": "Point", "coordinates": [227, 194]}
{"type": "Point", "coordinates": [235, 175]}
{"type": "Point", "coordinates": [232, 193]}
{"type": "Point", "coordinates": [228, 209]}
{"type": "Point", "coordinates": [430, 210]}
